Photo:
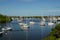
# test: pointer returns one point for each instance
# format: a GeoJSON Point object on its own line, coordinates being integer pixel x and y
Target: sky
{"type": "Point", "coordinates": [30, 7]}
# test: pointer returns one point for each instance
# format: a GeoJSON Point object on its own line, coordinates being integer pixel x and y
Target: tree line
{"type": "Point", "coordinates": [4, 18]}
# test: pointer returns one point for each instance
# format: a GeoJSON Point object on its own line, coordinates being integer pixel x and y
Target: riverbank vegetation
{"type": "Point", "coordinates": [46, 17]}
{"type": "Point", "coordinates": [55, 34]}
{"type": "Point", "coordinates": [4, 18]}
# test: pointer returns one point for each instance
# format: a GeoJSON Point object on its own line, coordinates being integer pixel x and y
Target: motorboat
{"type": "Point", "coordinates": [7, 29]}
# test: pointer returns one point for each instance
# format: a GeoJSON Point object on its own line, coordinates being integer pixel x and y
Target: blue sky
{"type": "Point", "coordinates": [30, 7]}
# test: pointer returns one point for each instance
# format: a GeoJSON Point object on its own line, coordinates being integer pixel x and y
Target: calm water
{"type": "Point", "coordinates": [35, 32]}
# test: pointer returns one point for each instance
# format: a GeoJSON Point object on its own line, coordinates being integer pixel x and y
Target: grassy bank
{"type": "Point", "coordinates": [55, 34]}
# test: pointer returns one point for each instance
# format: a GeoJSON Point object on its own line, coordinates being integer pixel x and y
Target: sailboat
{"type": "Point", "coordinates": [21, 24]}
{"type": "Point", "coordinates": [54, 20]}
{"type": "Point", "coordinates": [50, 23]}
{"type": "Point", "coordinates": [24, 26]}
{"type": "Point", "coordinates": [42, 23]}
{"type": "Point", "coordinates": [58, 19]}
{"type": "Point", "coordinates": [31, 22]}
{"type": "Point", "coordinates": [20, 19]}
{"type": "Point", "coordinates": [12, 18]}
{"type": "Point", "coordinates": [43, 19]}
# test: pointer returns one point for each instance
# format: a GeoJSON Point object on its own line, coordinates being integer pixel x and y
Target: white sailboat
{"type": "Point", "coordinates": [20, 20]}
{"type": "Point", "coordinates": [50, 23]}
{"type": "Point", "coordinates": [54, 20]}
{"type": "Point", "coordinates": [21, 24]}
{"type": "Point", "coordinates": [12, 18]}
{"type": "Point", "coordinates": [42, 23]}
{"type": "Point", "coordinates": [31, 22]}
{"type": "Point", "coordinates": [43, 19]}
{"type": "Point", "coordinates": [24, 26]}
{"type": "Point", "coordinates": [50, 19]}
{"type": "Point", "coordinates": [58, 22]}
{"type": "Point", "coordinates": [58, 18]}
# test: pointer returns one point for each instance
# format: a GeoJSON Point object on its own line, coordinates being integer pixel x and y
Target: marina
{"type": "Point", "coordinates": [24, 30]}
{"type": "Point", "coordinates": [29, 19]}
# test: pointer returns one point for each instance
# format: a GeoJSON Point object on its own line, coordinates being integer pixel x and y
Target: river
{"type": "Point", "coordinates": [35, 32]}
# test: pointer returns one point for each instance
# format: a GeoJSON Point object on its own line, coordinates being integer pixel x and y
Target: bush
{"type": "Point", "coordinates": [55, 34]}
